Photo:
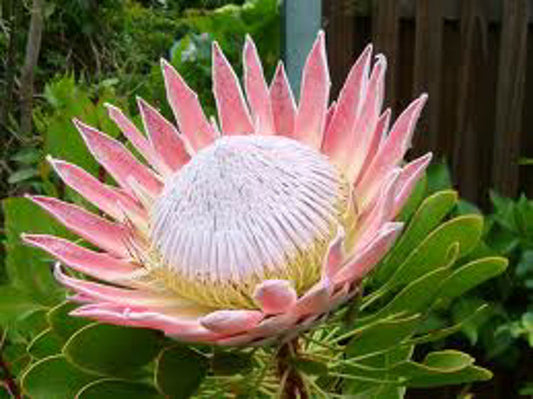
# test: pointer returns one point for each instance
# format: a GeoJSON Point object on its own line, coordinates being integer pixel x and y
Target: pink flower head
{"type": "Point", "coordinates": [244, 230]}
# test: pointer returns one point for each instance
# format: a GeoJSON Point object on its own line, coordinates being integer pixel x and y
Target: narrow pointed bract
{"type": "Point", "coordinates": [245, 229]}
{"type": "Point", "coordinates": [311, 117]}
{"type": "Point", "coordinates": [187, 109]}
{"type": "Point", "coordinates": [232, 110]}
{"type": "Point", "coordinates": [257, 90]}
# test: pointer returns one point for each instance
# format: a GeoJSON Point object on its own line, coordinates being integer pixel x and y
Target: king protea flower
{"type": "Point", "coordinates": [244, 230]}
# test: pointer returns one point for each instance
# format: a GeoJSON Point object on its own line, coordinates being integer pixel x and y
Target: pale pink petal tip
{"type": "Point", "coordinates": [314, 95]}
{"type": "Point", "coordinates": [283, 104]}
{"type": "Point", "coordinates": [232, 109]}
{"type": "Point", "coordinates": [166, 140]}
{"type": "Point", "coordinates": [187, 109]}
{"type": "Point", "coordinates": [231, 321]}
{"type": "Point", "coordinates": [117, 159]}
{"type": "Point", "coordinates": [275, 296]}
{"type": "Point", "coordinates": [96, 264]}
{"type": "Point", "coordinates": [257, 89]}
{"type": "Point", "coordinates": [101, 232]}
{"type": "Point", "coordinates": [410, 175]}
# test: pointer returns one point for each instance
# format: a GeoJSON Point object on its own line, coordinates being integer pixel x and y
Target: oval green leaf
{"type": "Point", "coordinates": [45, 344]}
{"type": "Point", "coordinates": [61, 323]}
{"type": "Point", "coordinates": [310, 366]}
{"type": "Point", "coordinates": [53, 377]}
{"type": "Point", "coordinates": [381, 336]}
{"type": "Point", "coordinates": [112, 350]}
{"type": "Point", "coordinates": [418, 296]}
{"type": "Point", "coordinates": [180, 372]}
{"type": "Point", "coordinates": [117, 389]}
{"type": "Point", "coordinates": [230, 363]}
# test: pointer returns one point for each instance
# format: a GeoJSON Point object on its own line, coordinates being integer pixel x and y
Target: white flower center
{"type": "Point", "coordinates": [245, 207]}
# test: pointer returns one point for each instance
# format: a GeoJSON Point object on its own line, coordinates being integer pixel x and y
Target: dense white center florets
{"type": "Point", "coordinates": [244, 206]}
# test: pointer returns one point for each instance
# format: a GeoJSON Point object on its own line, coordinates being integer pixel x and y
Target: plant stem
{"type": "Point", "coordinates": [293, 385]}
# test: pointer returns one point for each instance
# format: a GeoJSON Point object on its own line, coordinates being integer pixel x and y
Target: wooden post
{"type": "Point", "coordinates": [301, 23]}
{"type": "Point", "coordinates": [510, 96]}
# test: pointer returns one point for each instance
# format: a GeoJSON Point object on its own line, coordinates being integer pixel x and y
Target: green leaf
{"type": "Point", "coordinates": [4, 394]}
{"type": "Point", "coordinates": [416, 197]}
{"type": "Point", "coordinates": [479, 314]}
{"type": "Point", "coordinates": [470, 275]}
{"type": "Point", "coordinates": [44, 345]}
{"type": "Point", "coordinates": [117, 389]}
{"type": "Point", "coordinates": [15, 304]}
{"type": "Point", "coordinates": [438, 177]}
{"type": "Point", "coordinates": [22, 175]}
{"type": "Point", "coordinates": [381, 335]}
{"type": "Point", "coordinates": [448, 367]}
{"type": "Point", "coordinates": [30, 324]}
{"type": "Point", "coordinates": [427, 217]}
{"type": "Point", "coordinates": [180, 371]}
{"type": "Point", "coordinates": [230, 363]}
{"type": "Point", "coordinates": [70, 101]}
{"type": "Point", "coordinates": [15, 354]}
{"type": "Point", "coordinates": [63, 325]}
{"type": "Point", "coordinates": [417, 296]}
{"type": "Point", "coordinates": [53, 377]}
{"type": "Point", "coordinates": [465, 208]}
{"type": "Point", "coordinates": [465, 307]}
{"type": "Point", "coordinates": [433, 251]}
{"type": "Point", "coordinates": [376, 368]}
{"type": "Point", "coordinates": [310, 366]}
{"type": "Point", "coordinates": [112, 350]}
{"type": "Point", "coordinates": [467, 375]}
{"type": "Point", "coordinates": [448, 360]}
{"type": "Point", "coordinates": [28, 268]}
{"type": "Point", "coordinates": [527, 389]}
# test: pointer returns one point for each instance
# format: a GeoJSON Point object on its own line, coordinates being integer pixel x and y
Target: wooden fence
{"type": "Point", "coordinates": [471, 57]}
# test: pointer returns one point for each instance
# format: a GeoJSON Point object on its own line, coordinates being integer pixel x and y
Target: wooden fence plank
{"type": "Point", "coordinates": [466, 156]}
{"type": "Point", "coordinates": [340, 28]}
{"type": "Point", "coordinates": [385, 37]}
{"type": "Point", "coordinates": [510, 96]}
{"type": "Point", "coordinates": [470, 56]}
{"type": "Point", "coordinates": [428, 65]}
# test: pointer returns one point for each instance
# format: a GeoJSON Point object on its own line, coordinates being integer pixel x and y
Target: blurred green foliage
{"type": "Point", "coordinates": [108, 51]}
